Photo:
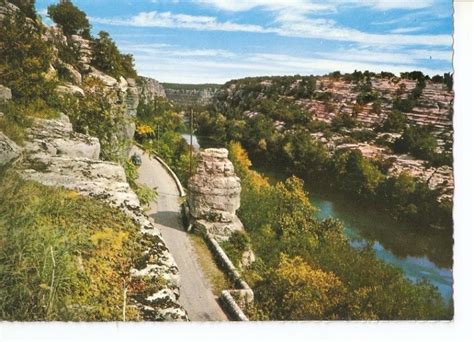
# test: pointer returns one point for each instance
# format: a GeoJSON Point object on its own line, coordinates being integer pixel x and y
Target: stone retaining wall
{"type": "Point", "coordinates": [231, 300]}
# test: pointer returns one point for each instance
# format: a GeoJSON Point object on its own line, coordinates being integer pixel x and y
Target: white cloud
{"type": "Point", "coordinates": [398, 4]}
{"type": "Point", "coordinates": [177, 64]}
{"type": "Point", "coordinates": [291, 24]}
{"type": "Point", "coordinates": [300, 25]}
{"type": "Point", "coordinates": [407, 29]}
{"type": "Point", "coordinates": [312, 5]}
{"type": "Point", "coordinates": [271, 5]}
{"type": "Point", "coordinates": [171, 20]}
{"type": "Point", "coordinates": [167, 50]}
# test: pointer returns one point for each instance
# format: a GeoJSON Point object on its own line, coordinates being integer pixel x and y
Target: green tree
{"type": "Point", "coordinates": [107, 57]}
{"type": "Point", "coordinates": [357, 174]}
{"type": "Point", "coordinates": [70, 18]}
{"type": "Point", "coordinates": [419, 141]}
{"type": "Point", "coordinates": [26, 6]}
{"type": "Point", "coordinates": [296, 291]}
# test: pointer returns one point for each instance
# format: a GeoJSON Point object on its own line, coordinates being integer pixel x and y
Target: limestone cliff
{"type": "Point", "coordinates": [55, 155]}
{"type": "Point", "coordinates": [149, 89]}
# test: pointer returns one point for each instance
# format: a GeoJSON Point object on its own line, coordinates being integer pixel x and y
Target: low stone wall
{"type": "Point", "coordinates": [182, 193]}
{"type": "Point", "coordinates": [231, 300]}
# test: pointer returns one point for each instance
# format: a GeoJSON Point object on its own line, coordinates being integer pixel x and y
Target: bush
{"type": "Point", "coordinates": [18, 117]}
{"type": "Point", "coordinates": [70, 18]}
{"type": "Point", "coordinates": [63, 256]}
{"type": "Point", "coordinates": [237, 244]}
{"type": "Point", "coordinates": [95, 115]}
{"type": "Point", "coordinates": [419, 141]}
{"type": "Point", "coordinates": [395, 122]}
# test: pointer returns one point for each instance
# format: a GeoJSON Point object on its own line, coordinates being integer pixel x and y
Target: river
{"type": "Point", "coordinates": [419, 253]}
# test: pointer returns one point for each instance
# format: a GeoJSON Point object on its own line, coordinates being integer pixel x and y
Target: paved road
{"type": "Point", "coordinates": [196, 295]}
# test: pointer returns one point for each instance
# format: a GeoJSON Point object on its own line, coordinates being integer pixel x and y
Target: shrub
{"type": "Point", "coordinates": [395, 122]}
{"type": "Point", "coordinates": [26, 6]}
{"type": "Point", "coordinates": [417, 140]}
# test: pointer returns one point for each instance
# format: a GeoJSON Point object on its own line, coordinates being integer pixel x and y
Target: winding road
{"type": "Point", "coordinates": [196, 295]}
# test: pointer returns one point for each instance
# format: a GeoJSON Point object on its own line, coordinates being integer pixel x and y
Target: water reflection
{"type": "Point", "coordinates": [419, 252]}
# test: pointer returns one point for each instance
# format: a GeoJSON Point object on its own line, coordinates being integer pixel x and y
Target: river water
{"type": "Point", "coordinates": [419, 253]}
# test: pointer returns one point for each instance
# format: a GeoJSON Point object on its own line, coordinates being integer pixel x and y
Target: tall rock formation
{"type": "Point", "coordinates": [214, 195]}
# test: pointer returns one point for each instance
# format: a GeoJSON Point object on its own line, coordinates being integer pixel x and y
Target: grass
{"type": "Point", "coordinates": [18, 117]}
{"type": "Point", "coordinates": [62, 256]}
{"type": "Point", "coordinates": [217, 278]}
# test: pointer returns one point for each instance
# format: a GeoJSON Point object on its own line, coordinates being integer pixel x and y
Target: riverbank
{"type": "Point", "coordinates": [418, 254]}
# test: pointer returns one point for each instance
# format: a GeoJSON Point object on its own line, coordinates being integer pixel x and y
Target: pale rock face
{"type": "Point", "coordinates": [9, 151]}
{"type": "Point", "coordinates": [248, 258]}
{"type": "Point", "coordinates": [74, 75]}
{"type": "Point", "coordinates": [109, 81]}
{"type": "Point", "coordinates": [57, 138]}
{"type": "Point", "coordinates": [5, 94]}
{"type": "Point", "coordinates": [150, 89]}
{"type": "Point", "coordinates": [70, 89]}
{"type": "Point", "coordinates": [55, 155]}
{"type": "Point", "coordinates": [85, 52]}
{"type": "Point", "coordinates": [214, 194]}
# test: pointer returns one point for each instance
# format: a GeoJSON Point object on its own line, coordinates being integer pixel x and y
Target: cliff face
{"type": "Point", "coordinates": [149, 89]}
{"type": "Point", "coordinates": [331, 97]}
{"type": "Point", "coordinates": [186, 94]}
{"type": "Point", "coordinates": [55, 155]}
{"type": "Point", "coordinates": [71, 67]}
{"type": "Point", "coordinates": [214, 194]}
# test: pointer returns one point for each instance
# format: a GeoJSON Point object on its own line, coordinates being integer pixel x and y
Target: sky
{"type": "Point", "coordinates": [214, 41]}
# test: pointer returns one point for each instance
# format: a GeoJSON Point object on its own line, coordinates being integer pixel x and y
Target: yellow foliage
{"type": "Point", "coordinates": [303, 292]}
{"type": "Point", "coordinates": [143, 130]}
{"type": "Point", "coordinates": [240, 159]}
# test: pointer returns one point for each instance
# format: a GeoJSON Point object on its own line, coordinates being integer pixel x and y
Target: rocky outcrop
{"type": "Point", "coordinates": [5, 94]}
{"type": "Point", "coordinates": [214, 195]}
{"type": "Point", "coordinates": [55, 155]}
{"type": "Point", "coordinates": [9, 151]}
{"type": "Point", "coordinates": [149, 89]}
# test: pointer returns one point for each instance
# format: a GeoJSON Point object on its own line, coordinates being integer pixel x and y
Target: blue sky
{"type": "Point", "coordinates": [199, 41]}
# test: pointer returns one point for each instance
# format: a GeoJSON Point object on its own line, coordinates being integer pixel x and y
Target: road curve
{"type": "Point", "coordinates": [196, 295]}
